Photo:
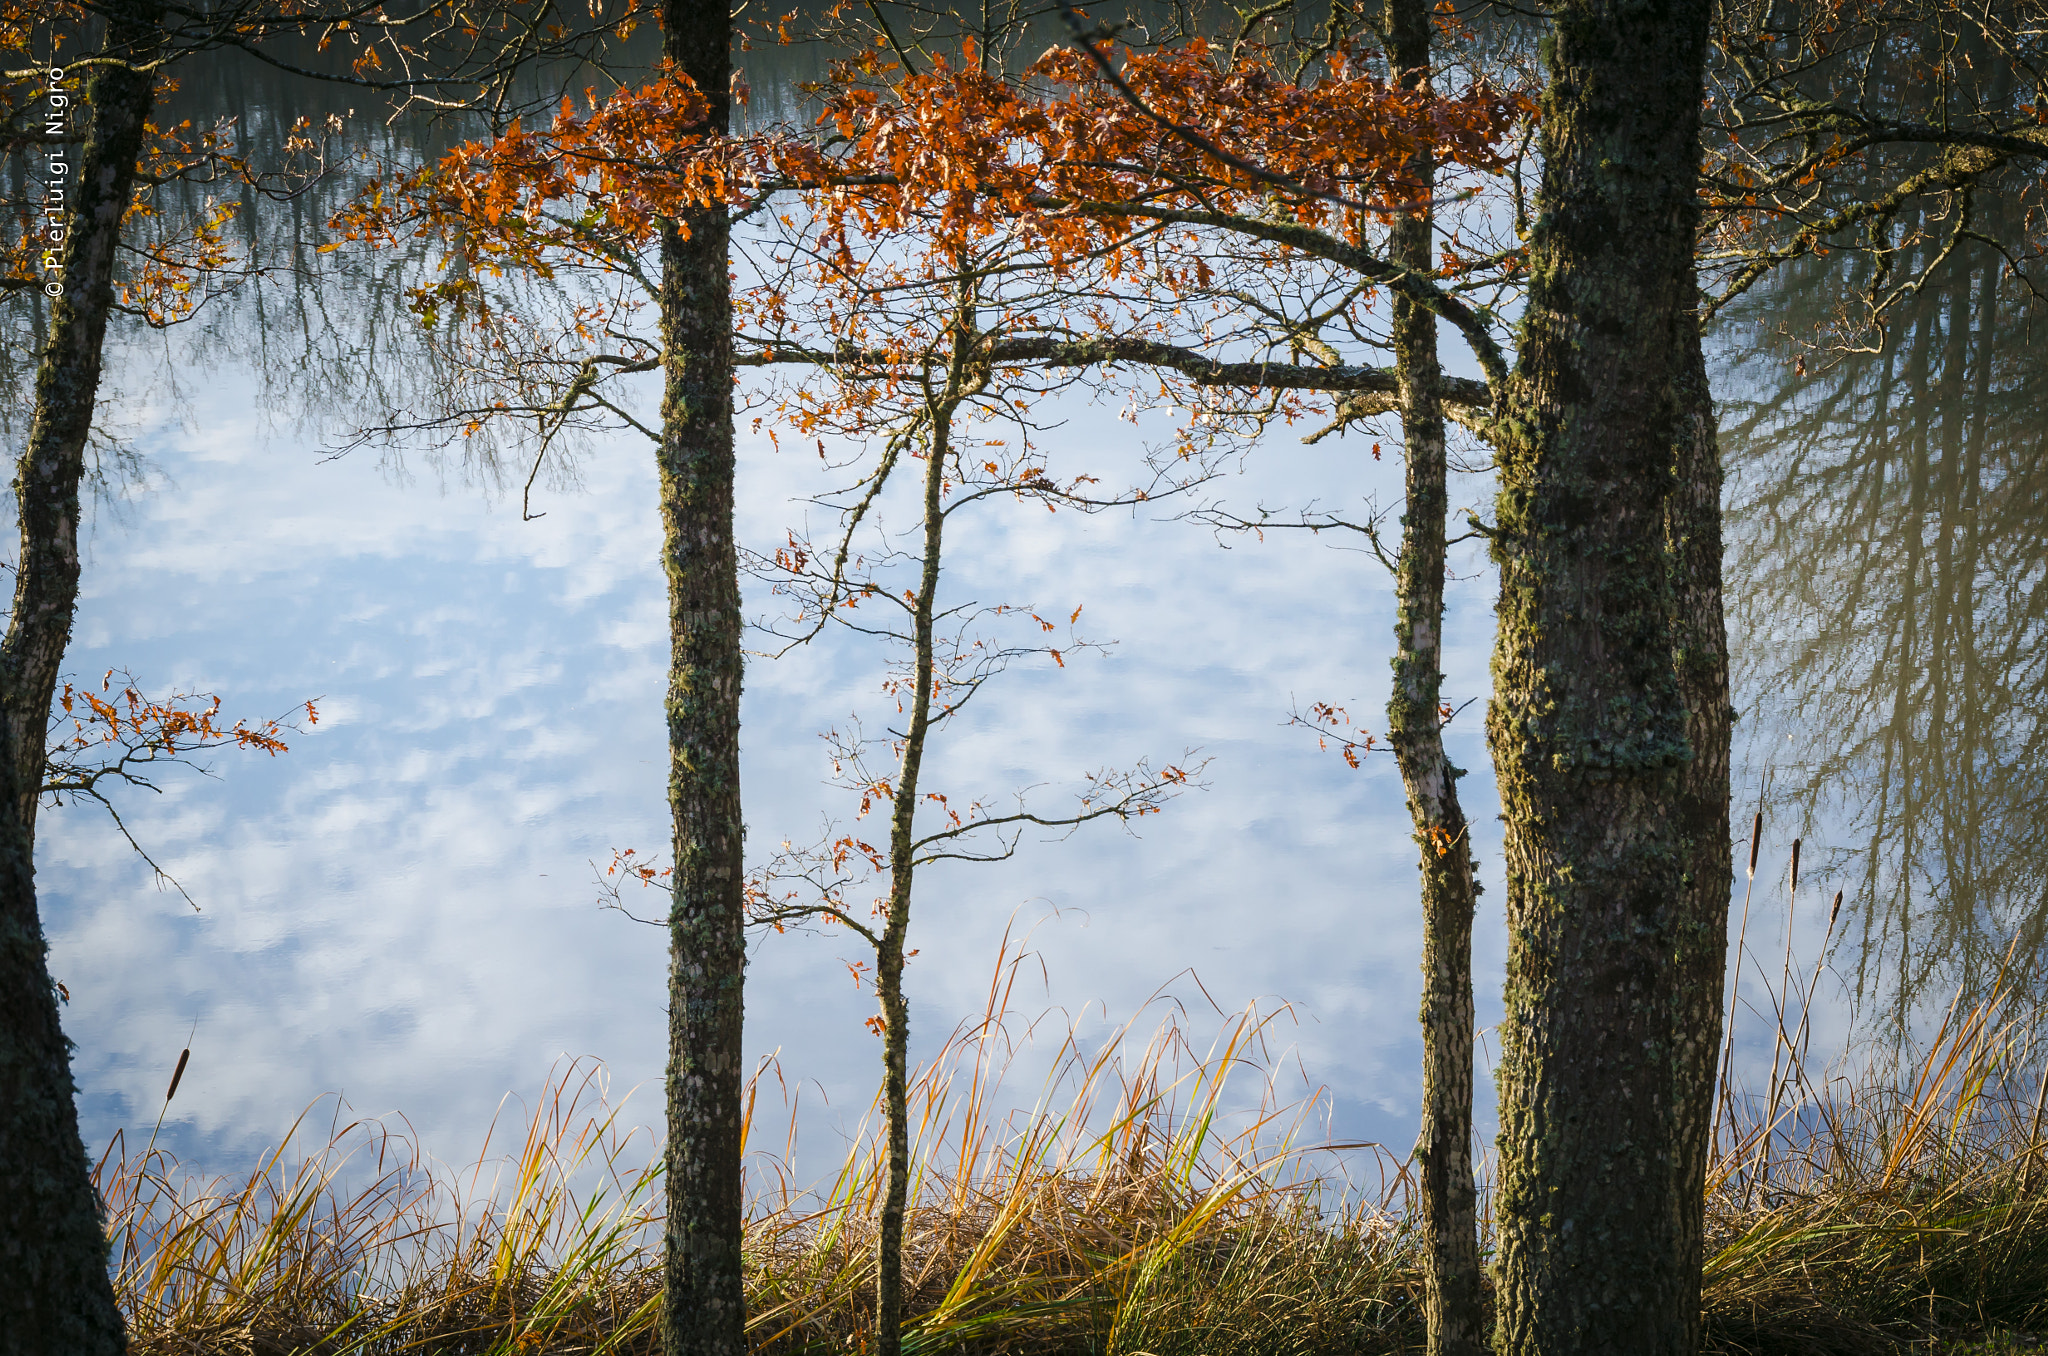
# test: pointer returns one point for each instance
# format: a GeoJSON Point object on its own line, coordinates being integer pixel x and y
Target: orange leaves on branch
{"type": "Point", "coordinates": [952, 815]}
{"type": "Point", "coordinates": [846, 849]}
{"type": "Point", "coordinates": [628, 864]}
{"type": "Point", "coordinates": [1346, 132]}
{"type": "Point", "coordinates": [591, 182]}
{"type": "Point", "coordinates": [178, 263]}
{"type": "Point", "coordinates": [119, 733]}
{"type": "Point", "coordinates": [793, 558]}
{"type": "Point", "coordinates": [129, 720]}
{"type": "Point", "coordinates": [1057, 150]}
{"type": "Point", "coordinates": [1332, 725]}
{"type": "Point", "coordinates": [879, 789]}
{"type": "Point", "coordinates": [958, 153]}
{"type": "Point", "coordinates": [167, 284]}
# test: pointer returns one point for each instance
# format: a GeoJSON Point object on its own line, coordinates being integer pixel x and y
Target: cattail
{"type": "Point", "coordinates": [1834, 909]}
{"type": "Point", "coordinates": [1756, 838]}
{"type": "Point", "coordinates": [178, 1073]}
{"type": "Point", "coordinates": [1795, 866]}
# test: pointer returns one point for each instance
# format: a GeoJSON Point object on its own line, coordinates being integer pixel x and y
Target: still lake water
{"type": "Point", "coordinates": [403, 909]}
{"type": "Point", "coordinates": [401, 913]}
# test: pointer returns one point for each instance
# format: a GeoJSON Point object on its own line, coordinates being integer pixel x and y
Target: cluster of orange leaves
{"type": "Point", "coordinates": [165, 286]}
{"type": "Point", "coordinates": [629, 862]}
{"type": "Point", "coordinates": [1330, 722]}
{"type": "Point", "coordinates": [985, 151]}
{"type": "Point", "coordinates": [128, 718]}
{"type": "Point", "coordinates": [31, 36]}
{"type": "Point", "coordinates": [633, 160]}
{"type": "Point", "coordinates": [953, 153]}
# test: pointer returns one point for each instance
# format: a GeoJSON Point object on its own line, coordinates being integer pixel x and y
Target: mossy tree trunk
{"type": "Point", "coordinates": [704, 1311]}
{"type": "Point", "coordinates": [1443, 1149]}
{"type": "Point", "coordinates": [1598, 1078]}
{"type": "Point", "coordinates": [55, 1299]}
{"type": "Point", "coordinates": [1700, 658]}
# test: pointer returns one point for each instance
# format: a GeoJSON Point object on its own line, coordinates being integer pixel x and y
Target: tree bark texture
{"type": "Point", "coordinates": [1588, 722]}
{"type": "Point", "coordinates": [1453, 1298]}
{"type": "Point", "coordinates": [1700, 659]}
{"type": "Point", "coordinates": [55, 1298]}
{"type": "Point", "coordinates": [704, 1313]}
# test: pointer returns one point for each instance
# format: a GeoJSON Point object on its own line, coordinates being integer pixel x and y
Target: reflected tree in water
{"type": "Point", "coordinates": [1890, 623]}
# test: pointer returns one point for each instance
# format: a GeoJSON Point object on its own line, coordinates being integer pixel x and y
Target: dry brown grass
{"type": "Point", "coordinates": [1873, 1214]}
{"type": "Point", "coordinates": [1156, 1198]}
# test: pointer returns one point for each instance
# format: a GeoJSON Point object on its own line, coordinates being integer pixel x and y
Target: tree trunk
{"type": "Point", "coordinates": [902, 869]}
{"type": "Point", "coordinates": [1700, 658]}
{"type": "Point", "coordinates": [55, 1299]}
{"type": "Point", "coordinates": [704, 1312]}
{"type": "Point", "coordinates": [1453, 1300]}
{"type": "Point", "coordinates": [1589, 723]}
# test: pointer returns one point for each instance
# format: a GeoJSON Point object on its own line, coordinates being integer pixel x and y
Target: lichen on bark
{"type": "Point", "coordinates": [1448, 1204]}
{"type": "Point", "coordinates": [55, 1297]}
{"type": "Point", "coordinates": [1589, 720]}
{"type": "Point", "coordinates": [704, 1312]}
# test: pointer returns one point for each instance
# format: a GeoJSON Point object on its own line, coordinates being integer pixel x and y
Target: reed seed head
{"type": "Point", "coordinates": [178, 1073]}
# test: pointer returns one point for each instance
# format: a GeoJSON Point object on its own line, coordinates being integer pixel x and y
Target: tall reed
{"type": "Point", "coordinates": [1854, 1209]}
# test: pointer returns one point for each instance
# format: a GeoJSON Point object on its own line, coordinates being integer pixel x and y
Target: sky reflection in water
{"type": "Point", "coordinates": [402, 910]}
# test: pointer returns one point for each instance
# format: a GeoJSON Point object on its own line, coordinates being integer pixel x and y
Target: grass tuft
{"type": "Point", "coordinates": [1876, 1213]}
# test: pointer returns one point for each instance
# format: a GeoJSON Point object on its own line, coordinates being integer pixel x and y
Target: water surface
{"type": "Point", "coordinates": [402, 911]}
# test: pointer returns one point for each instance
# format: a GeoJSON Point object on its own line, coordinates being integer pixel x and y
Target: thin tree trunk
{"type": "Point", "coordinates": [704, 1312]}
{"type": "Point", "coordinates": [902, 862]}
{"type": "Point", "coordinates": [1700, 647]}
{"type": "Point", "coordinates": [902, 867]}
{"type": "Point", "coordinates": [1589, 721]}
{"type": "Point", "coordinates": [55, 1299]}
{"type": "Point", "coordinates": [1453, 1300]}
